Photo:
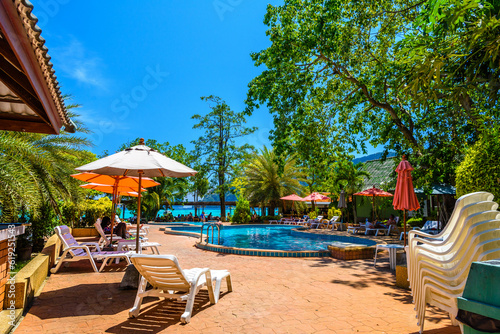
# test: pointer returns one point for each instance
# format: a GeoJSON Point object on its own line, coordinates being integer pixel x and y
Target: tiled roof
{"type": "Point", "coordinates": [24, 9]}
{"type": "Point", "coordinates": [382, 174]}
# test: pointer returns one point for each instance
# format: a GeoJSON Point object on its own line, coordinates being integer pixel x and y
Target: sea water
{"type": "Point", "coordinates": [187, 209]}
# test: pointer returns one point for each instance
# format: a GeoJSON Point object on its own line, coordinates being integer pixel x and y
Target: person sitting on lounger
{"type": "Point", "coordinates": [120, 229]}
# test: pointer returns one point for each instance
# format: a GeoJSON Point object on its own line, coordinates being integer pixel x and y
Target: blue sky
{"type": "Point", "coordinates": [139, 68]}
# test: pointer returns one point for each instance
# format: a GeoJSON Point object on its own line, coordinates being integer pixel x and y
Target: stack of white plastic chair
{"type": "Point", "coordinates": [438, 265]}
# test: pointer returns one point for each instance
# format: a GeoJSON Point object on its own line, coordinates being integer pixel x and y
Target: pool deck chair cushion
{"type": "Point", "coordinates": [170, 281]}
{"type": "Point", "coordinates": [74, 251]}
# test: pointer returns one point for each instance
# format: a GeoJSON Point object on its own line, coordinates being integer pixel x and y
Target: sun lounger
{"type": "Point", "coordinates": [316, 222]}
{"type": "Point", "coordinates": [377, 230]}
{"type": "Point", "coordinates": [74, 251]}
{"type": "Point", "coordinates": [164, 273]}
{"type": "Point", "coordinates": [356, 229]}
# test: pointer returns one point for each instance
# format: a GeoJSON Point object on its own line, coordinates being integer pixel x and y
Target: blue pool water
{"type": "Point", "coordinates": [275, 238]}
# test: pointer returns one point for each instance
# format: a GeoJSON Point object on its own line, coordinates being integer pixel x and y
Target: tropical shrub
{"type": "Point", "coordinates": [415, 222]}
{"type": "Point", "coordinates": [267, 218]}
{"type": "Point", "coordinates": [332, 212]}
{"type": "Point", "coordinates": [480, 170]}
{"type": "Point", "coordinates": [95, 209]}
{"type": "Point", "coordinates": [241, 212]}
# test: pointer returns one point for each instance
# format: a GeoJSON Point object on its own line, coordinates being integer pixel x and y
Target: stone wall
{"type": "Point", "coordinates": [4, 270]}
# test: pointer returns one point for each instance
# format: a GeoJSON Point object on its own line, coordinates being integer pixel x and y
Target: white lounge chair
{"type": "Point", "coordinates": [315, 223]}
{"type": "Point", "coordinates": [164, 273]}
{"type": "Point", "coordinates": [122, 244]}
{"type": "Point", "coordinates": [74, 251]}
{"type": "Point", "coordinates": [356, 229]}
{"type": "Point", "coordinates": [384, 230]}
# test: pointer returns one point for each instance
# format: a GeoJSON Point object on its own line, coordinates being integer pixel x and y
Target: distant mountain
{"type": "Point", "coordinates": [374, 156]}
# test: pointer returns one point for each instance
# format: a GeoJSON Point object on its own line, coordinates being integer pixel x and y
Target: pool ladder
{"type": "Point", "coordinates": [211, 226]}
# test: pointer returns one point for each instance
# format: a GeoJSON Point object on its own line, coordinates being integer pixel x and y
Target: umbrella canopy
{"type": "Point", "coordinates": [120, 190]}
{"type": "Point", "coordinates": [404, 196]}
{"type": "Point", "coordinates": [292, 197]}
{"type": "Point", "coordinates": [374, 192]}
{"type": "Point", "coordinates": [140, 161]}
{"type": "Point", "coordinates": [118, 180]}
{"type": "Point", "coordinates": [315, 197]}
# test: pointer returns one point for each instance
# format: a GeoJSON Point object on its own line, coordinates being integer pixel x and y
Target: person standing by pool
{"type": "Point", "coordinates": [202, 216]}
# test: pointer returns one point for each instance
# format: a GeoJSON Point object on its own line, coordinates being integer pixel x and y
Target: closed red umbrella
{"type": "Point", "coordinates": [374, 192]}
{"type": "Point", "coordinates": [404, 196]}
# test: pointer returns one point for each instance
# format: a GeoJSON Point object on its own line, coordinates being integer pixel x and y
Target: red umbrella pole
{"type": "Point", "coordinates": [138, 222]}
{"type": "Point", "coordinates": [404, 227]}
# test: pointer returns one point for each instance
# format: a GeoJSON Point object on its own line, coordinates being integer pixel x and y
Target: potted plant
{"type": "Point", "coordinates": [24, 247]}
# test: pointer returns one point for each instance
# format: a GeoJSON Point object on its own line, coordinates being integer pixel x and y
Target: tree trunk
{"type": "Point", "coordinates": [222, 196]}
{"type": "Point", "coordinates": [354, 217]}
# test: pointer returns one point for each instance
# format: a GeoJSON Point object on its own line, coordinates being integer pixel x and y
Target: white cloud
{"type": "Point", "coordinates": [80, 64]}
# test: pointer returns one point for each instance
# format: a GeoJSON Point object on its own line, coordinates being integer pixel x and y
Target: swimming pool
{"type": "Point", "coordinates": [271, 238]}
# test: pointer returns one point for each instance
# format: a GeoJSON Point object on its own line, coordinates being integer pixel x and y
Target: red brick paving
{"type": "Point", "coordinates": [271, 295]}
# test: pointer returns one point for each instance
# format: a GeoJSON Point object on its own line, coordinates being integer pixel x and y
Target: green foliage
{"type": "Point", "coordinates": [94, 209]}
{"type": "Point", "coordinates": [415, 77]}
{"type": "Point", "coordinates": [332, 212]}
{"type": "Point", "coordinates": [265, 184]}
{"type": "Point", "coordinates": [221, 126]}
{"type": "Point", "coordinates": [312, 214]}
{"type": "Point", "coordinates": [415, 222]}
{"type": "Point", "coordinates": [43, 220]}
{"type": "Point", "coordinates": [35, 169]}
{"type": "Point", "coordinates": [480, 170]}
{"type": "Point", "coordinates": [241, 212]}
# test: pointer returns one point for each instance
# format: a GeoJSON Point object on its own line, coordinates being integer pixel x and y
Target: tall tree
{"type": "Point", "coordinates": [352, 177]}
{"type": "Point", "coordinates": [265, 183]}
{"type": "Point", "coordinates": [221, 126]}
{"type": "Point", "coordinates": [354, 70]}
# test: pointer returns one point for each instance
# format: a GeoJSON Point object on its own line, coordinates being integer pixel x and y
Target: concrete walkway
{"type": "Point", "coordinates": [271, 295]}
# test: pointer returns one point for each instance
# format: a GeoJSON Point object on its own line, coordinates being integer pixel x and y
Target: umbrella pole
{"type": "Point", "coordinates": [404, 227]}
{"type": "Point", "coordinates": [373, 208]}
{"type": "Point", "coordinates": [138, 222]}
{"type": "Point", "coordinates": [113, 214]}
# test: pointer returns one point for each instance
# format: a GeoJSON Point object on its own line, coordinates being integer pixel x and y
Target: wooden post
{"type": "Point", "coordinates": [137, 250]}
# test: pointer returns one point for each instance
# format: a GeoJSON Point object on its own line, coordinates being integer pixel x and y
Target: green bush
{"type": "Point", "coordinates": [95, 209]}
{"type": "Point", "coordinates": [480, 170]}
{"type": "Point", "coordinates": [415, 222]}
{"type": "Point", "coordinates": [241, 212]}
{"type": "Point", "coordinates": [332, 212]}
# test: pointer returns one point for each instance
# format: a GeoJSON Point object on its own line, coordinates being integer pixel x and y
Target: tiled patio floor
{"type": "Point", "coordinates": [271, 295]}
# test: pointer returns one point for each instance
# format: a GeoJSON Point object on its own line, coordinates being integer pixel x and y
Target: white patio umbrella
{"type": "Point", "coordinates": [140, 161]}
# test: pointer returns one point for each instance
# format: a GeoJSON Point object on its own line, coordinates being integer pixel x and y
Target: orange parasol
{"type": "Point", "coordinates": [121, 191]}
{"type": "Point", "coordinates": [374, 192]}
{"type": "Point", "coordinates": [404, 196]}
{"type": "Point", "coordinates": [117, 184]}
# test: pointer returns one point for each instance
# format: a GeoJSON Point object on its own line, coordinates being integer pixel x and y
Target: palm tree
{"type": "Point", "coordinates": [266, 184]}
{"type": "Point", "coordinates": [352, 177]}
{"type": "Point", "coordinates": [34, 174]}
